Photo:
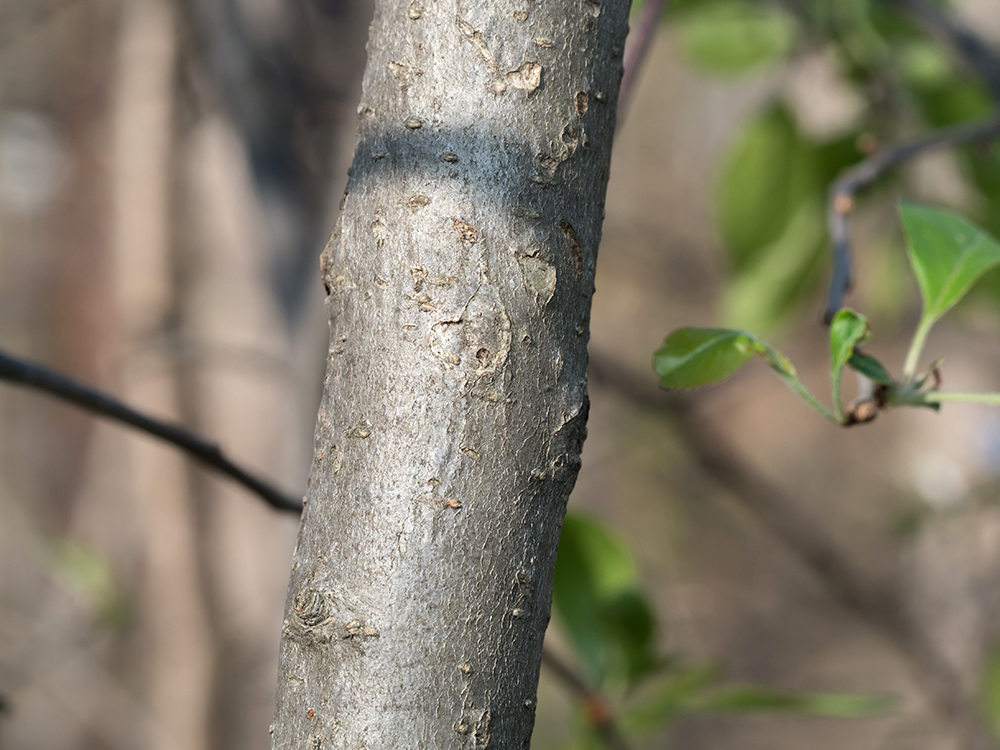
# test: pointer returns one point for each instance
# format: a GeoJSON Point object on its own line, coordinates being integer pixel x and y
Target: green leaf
{"type": "Point", "coordinates": [698, 356]}
{"type": "Point", "coordinates": [955, 99]}
{"type": "Point", "coordinates": [596, 594]}
{"type": "Point", "coordinates": [630, 618]}
{"type": "Point", "coordinates": [870, 367]}
{"type": "Point", "coordinates": [663, 706]}
{"type": "Point", "coordinates": [88, 574]}
{"type": "Point", "coordinates": [592, 565]}
{"type": "Point", "coordinates": [761, 184]}
{"type": "Point", "coordinates": [762, 293]}
{"type": "Point", "coordinates": [755, 698]}
{"type": "Point", "coordinates": [696, 690]}
{"type": "Point", "coordinates": [990, 692]}
{"type": "Point", "coordinates": [948, 255]}
{"type": "Point", "coordinates": [584, 737]}
{"type": "Point", "coordinates": [847, 329]}
{"type": "Point", "coordinates": [731, 36]}
{"type": "Point", "coordinates": [924, 65]}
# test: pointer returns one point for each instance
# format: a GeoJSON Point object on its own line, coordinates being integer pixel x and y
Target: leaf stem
{"type": "Point", "coordinates": [837, 376]}
{"type": "Point", "coordinates": [932, 398]}
{"type": "Point", "coordinates": [799, 387]}
{"type": "Point", "coordinates": [937, 397]}
{"type": "Point", "coordinates": [786, 371]}
{"type": "Point", "coordinates": [916, 347]}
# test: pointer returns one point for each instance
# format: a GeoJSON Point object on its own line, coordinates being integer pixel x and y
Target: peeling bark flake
{"type": "Point", "coordinates": [466, 232]}
{"type": "Point", "coordinates": [475, 39]}
{"type": "Point", "coordinates": [527, 77]}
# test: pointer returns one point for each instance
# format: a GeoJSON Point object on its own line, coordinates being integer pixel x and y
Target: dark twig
{"type": "Point", "coordinates": [636, 49]}
{"type": "Point", "coordinates": [843, 194]}
{"type": "Point", "coordinates": [40, 378]}
{"type": "Point", "coordinates": [34, 376]}
{"type": "Point", "coordinates": [985, 61]}
{"type": "Point", "coordinates": [877, 605]}
{"type": "Point", "coordinates": [595, 706]}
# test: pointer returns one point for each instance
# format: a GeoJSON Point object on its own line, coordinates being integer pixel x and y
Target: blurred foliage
{"type": "Point", "coordinates": [596, 592]}
{"type": "Point", "coordinates": [613, 630]}
{"type": "Point", "coordinates": [731, 36]}
{"type": "Point", "coordinates": [774, 177]}
{"type": "Point", "coordinates": [697, 690]}
{"type": "Point", "coordinates": [771, 211]}
{"type": "Point", "coordinates": [762, 181]}
{"type": "Point", "coordinates": [87, 574]}
{"type": "Point", "coordinates": [989, 692]}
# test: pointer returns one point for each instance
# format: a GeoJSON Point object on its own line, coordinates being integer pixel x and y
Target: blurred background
{"type": "Point", "coordinates": [169, 172]}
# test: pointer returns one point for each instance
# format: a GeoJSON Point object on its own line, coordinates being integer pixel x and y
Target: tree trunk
{"type": "Point", "coordinates": [459, 280]}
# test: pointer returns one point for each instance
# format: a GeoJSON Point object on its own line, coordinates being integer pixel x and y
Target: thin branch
{"type": "Point", "coordinates": [35, 376]}
{"type": "Point", "coordinates": [636, 49]}
{"type": "Point", "coordinates": [985, 61]}
{"type": "Point", "coordinates": [843, 193]}
{"type": "Point", "coordinates": [40, 378]}
{"type": "Point", "coordinates": [595, 705]}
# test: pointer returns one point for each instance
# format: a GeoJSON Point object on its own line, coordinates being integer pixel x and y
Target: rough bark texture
{"type": "Point", "coordinates": [450, 430]}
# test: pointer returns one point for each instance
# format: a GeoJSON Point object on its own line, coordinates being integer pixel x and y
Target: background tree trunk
{"type": "Point", "coordinates": [459, 279]}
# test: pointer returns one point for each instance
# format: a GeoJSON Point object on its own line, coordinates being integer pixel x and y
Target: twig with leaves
{"type": "Point", "coordinates": [843, 193]}
{"type": "Point", "coordinates": [948, 255]}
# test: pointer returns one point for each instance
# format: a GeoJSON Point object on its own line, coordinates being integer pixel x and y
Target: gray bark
{"type": "Point", "coordinates": [454, 411]}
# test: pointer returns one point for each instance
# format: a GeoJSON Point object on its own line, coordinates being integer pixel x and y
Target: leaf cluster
{"type": "Point", "coordinates": [947, 254]}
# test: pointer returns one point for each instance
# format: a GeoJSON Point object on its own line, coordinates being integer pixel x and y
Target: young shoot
{"type": "Point", "coordinates": [948, 256]}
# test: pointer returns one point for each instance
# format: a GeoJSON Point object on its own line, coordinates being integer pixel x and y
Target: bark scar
{"type": "Point", "coordinates": [476, 40]}
{"type": "Point", "coordinates": [527, 76]}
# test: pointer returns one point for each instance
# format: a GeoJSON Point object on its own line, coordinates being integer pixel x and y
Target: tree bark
{"type": "Point", "coordinates": [459, 278]}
